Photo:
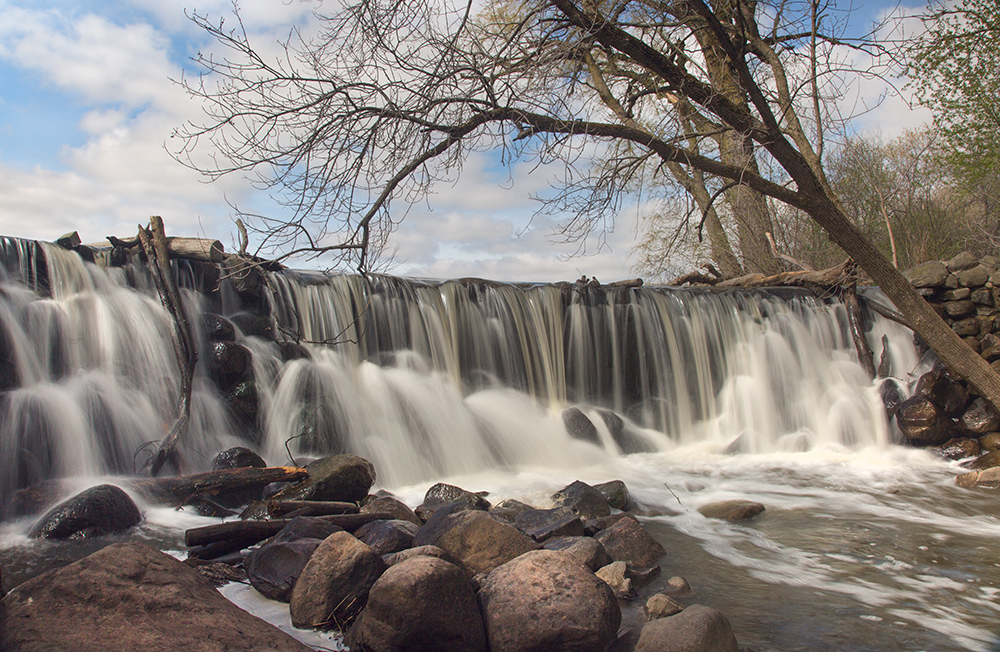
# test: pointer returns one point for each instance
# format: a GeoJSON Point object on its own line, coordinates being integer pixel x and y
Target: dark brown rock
{"type": "Point", "coordinates": [961, 262]}
{"type": "Point", "coordinates": [958, 448]}
{"type": "Point", "coordinates": [980, 418]}
{"type": "Point", "coordinates": [943, 390]}
{"type": "Point", "coordinates": [306, 527]}
{"type": "Point", "coordinates": [476, 539]}
{"type": "Point", "coordinates": [579, 426]}
{"type": "Point", "coordinates": [387, 537]}
{"type": "Point", "coordinates": [129, 597]}
{"type": "Point", "coordinates": [982, 297]}
{"type": "Point", "coordinates": [928, 275]}
{"type": "Point", "coordinates": [990, 441]}
{"type": "Point", "coordinates": [442, 495]}
{"type": "Point", "coordinates": [921, 423]}
{"type": "Point", "coordinates": [731, 510]}
{"type": "Point", "coordinates": [544, 602]}
{"type": "Point", "coordinates": [696, 629]}
{"type": "Point", "coordinates": [617, 494]}
{"type": "Point", "coordinates": [585, 550]}
{"type": "Point", "coordinates": [585, 501]}
{"type": "Point", "coordinates": [966, 327]}
{"type": "Point", "coordinates": [273, 568]}
{"type": "Point", "coordinates": [543, 524]}
{"type": "Point", "coordinates": [628, 541]}
{"type": "Point", "coordinates": [419, 551]}
{"type": "Point", "coordinates": [333, 587]}
{"type": "Point", "coordinates": [423, 604]}
{"type": "Point", "coordinates": [986, 461]}
{"type": "Point", "coordinates": [104, 509]}
{"type": "Point", "coordinates": [974, 277]}
{"type": "Point", "coordinates": [390, 505]}
{"type": "Point", "coordinates": [959, 309]}
{"type": "Point", "coordinates": [958, 294]}
{"type": "Point", "coordinates": [218, 329]}
{"type": "Point", "coordinates": [344, 478]}
{"type": "Point", "coordinates": [661, 605]}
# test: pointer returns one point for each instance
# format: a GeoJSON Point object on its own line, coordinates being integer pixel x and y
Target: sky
{"type": "Point", "coordinates": [88, 104]}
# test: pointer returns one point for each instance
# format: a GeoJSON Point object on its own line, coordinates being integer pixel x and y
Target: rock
{"type": "Point", "coordinates": [227, 361]}
{"type": "Point", "coordinates": [677, 587]}
{"type": "Point", "coordinates": [419, 551]}
{"type": "Point", "coordinates": [696, 629]}
{"type": "Point", "coordinates": [579, 426]}
{"type": "Point", "coordinates": [476, 539]}
{"type": "Point", "coordinates": [958, 448]}
{"type": "Point", "coordinates": [986, 461]}
{"type": "Point", "coordinates": [921, 423]}
{"type": "Point", "coordinates": [990, 262]}
{"type": "Point", "coordinates": [585, 501]}
{"type": "Point", "coordinates": [129, 597]}
{"type": "Point", "coordinates": [614, 574]}
{"type": "Point", "coordinates": [218, 329]}
{"type": "Point", "coordinates": [959, 309]}
{"type": "Point", "coordinates": [989, 478]}
{"type": "Point", "coordinates": [104, 509]}
{"type": "Point", "coordinates": [543, 601]}
{"type": "Point", "coordinates": [943, 390]}
{"type": "Point", "coordinates": [628, 541]}
{"type": "Point", "coordinates": [387, 537]}
{"type": "Point", "coordinates": [661, 605]}
{"type": "Point", "coordinates": [306, 527]}
{"type": "Point", "coordinates": [928, 275]}
{"type": "Point", "coordinates": [957, 294]}
{"type": "Point", "coordinates": [344, 478]}
{"type": "Point", "coordinates": [237, 457]}
{"type": "Point", "coordinates": [442, 494]}
{"type": "Point", "coordinates": [422, 604]}
{"type": "Point", "coordinates": [219, 574]}
{"type": "Point", "coordinates": [980, 418]}
{"type": "Point", "coordinates": [292, 351]}
{"type": "Point", "coordinates": [542, 524]}
{"type": "Point", "coordinates": [974, 277]}
{"type": "Point", "coordinates": [333, 587]}
{"type": "Point", "coordinates": [243, 401]}
{"type": "Point", "coordinates": [892, 396]}
{"type": "Point", "coordinates": [584, 550]}
{"type": "Point", "coordinates": [990, 441]}
{"type": "Point", "coordinates": [273, 568]}
{"type": "Point", "coordinates": [616, 493]}
{"type": "Point", "coordinates": [951, 281]}
{"type": "Point", "coordinates": [966, 327]}
{"type": "Point", "coordinates": [961, 262]}
{"type": "Point", "coordinates": [731, 510]}
{"type": "Point", "coordinates": [627, 440]}
{"type": "Point", "coordinates": [982, 297]}
{"type": "Point", "coordinates": [508, 510]}
{"type": "Point", "coordinates": [392, 506]}
{"type": "Point", "coordinates": [256, 325]}
{"type": "Point", "coordinates": [991, 354]}
{"type": "Point", "coordinates": [594, 525]}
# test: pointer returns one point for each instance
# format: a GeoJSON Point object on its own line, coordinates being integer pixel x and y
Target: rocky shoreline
{"type": "Point", "coordinates": [456, 573]}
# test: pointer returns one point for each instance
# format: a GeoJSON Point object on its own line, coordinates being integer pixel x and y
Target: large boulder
{"type": "Point", "coordinates": [333, 586]}
{"type": "Point", "coordinates": [100, 510]}
{"type": "Point", "coordinates": [980, 418]}
{"type": "Point", "coordinates": [129, 597]}
{"type": "Point", "coordinates": [943, 390]}
{"type": "Point", "coordinates": [544, 602]}
{"type": "Point", "coordinates": [628, 541]}
{"type": "Point", "coordinates": [921, 423]}
{"type": "Point", "coordinates": [344, 478]}
{"type": "Point", "coordinates": [441, 495]}
{"type": "Point", "coordinates": [584, 550]}
{"type": "Point", "coordinates": [387, 537]}
{"type": "Point", "coordinates": [579, 426]}
{"type": "Point", "coordinates": [273, 568]}
{"type": "Point", "coordinates": [476, 539]}
{"type": "Point", "coordinates": [543, 524]}
{"type": "Point", "coordinates": [306, 527]}
{"type": "Point", "coordinates": [696, 629]}
{"type": "Point", "coordinates": [238, 457]}
{"type": "Point", "coordinates": [584, 500]}
{"type": "Point", "coordinates": [392, 506]}
{"type": "Point", "coordinates": [423, 604]}
{"type": "Point", "coordinates": [928, 275]}
{"type": "Point", "coordinates": [616, 492]}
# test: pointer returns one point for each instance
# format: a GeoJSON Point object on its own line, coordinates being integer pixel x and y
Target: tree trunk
{"type": "Point", "coordinates": [177, 491]}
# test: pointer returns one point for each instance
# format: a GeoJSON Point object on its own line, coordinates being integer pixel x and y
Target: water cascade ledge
{"type": "Point", "coordinates": [426, 379]}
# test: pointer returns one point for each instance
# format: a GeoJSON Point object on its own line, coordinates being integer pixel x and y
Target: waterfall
{"type": "Point", "coordinates": [426, 379]}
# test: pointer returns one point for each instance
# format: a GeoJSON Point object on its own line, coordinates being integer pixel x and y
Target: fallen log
{"type": "Point", "coordinates": [855, 323]}
{"type": "Point", "coordinates": [255, 531]}
{"type": "Point", "coordinates": [179, 490]}
{"type": "Point", "coordinates": [203, 249]}
{"type": "Point", "coordinates": [842, 274]}
{"type": "Point", "coordinates": [278, 508]}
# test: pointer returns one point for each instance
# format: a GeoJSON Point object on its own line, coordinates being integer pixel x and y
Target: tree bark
{"type": "Point", "coordinates": [178, 490]}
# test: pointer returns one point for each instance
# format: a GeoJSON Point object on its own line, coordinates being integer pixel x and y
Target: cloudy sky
{"type": "Point", "coordinates": [87, 106]}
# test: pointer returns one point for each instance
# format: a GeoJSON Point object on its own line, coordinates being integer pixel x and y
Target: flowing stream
{"type": "Point", "coordinates": [688, 396]}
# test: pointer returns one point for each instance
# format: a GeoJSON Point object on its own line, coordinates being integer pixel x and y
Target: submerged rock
{"type": "Point", "coordinates": [100, 510]}
{"type": "Point", "coordinates": [129, 597]}
{"type": "Point", "coordinates": [661, 605]}
{"type": "Point", "coordinates": [731, 510]}
{"type": "Point", "coordinates": [696, 629]}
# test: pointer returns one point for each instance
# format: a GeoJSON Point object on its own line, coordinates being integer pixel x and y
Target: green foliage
{"type": "Point", "coordinates": [955, 68]}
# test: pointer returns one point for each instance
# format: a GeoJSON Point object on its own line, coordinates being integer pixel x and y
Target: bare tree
{"type": "Point", "coordinates": [391, 96]}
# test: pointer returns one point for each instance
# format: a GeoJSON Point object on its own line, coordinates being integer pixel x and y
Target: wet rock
{"type": "Point", "coordinates": [584, 500]}
{"type": "Point", "coordinates": [273, 568]}
{"type": "Point", "coordinates": [617, 494]}
{"type": "Point", "coordinates": [677, 587]}
{"type": "Point", "coordinates": [386, 537]}
{"type": "Point", "coordinates": [243, 401]}
{"type": "Point", "coordinates": [422, 604]}
{"type": "Point", "coordinates": [986, 461]}
{"type": "Point", "coordinates": [928, 275]}
{"type": "Point", "coordinates": [306, 527]}
{"type": "Point", "coordinates": [991, 354]}
{"type": "Point", "coordinates": [344, 478]}
{"type": "Point", "coordinates": [628, 541]}
{"type": "Point", "coordinates": [585, 550]}
{"type": "Point", "coordinates": [731, 510]}
{"type": "Point", "coordinates": [392, 506]}
{"type": "Point", "coordinates": [508, 510]}
{"type": "Point", "coordinates": [990, 441]}
{"type": "Point", "coordinates": [974, 277]}
{"type": "Point", "coordinates": [228, 361]}
{"type": "Point", "coordinates": [104, 509]}
{"type": "Point", "coordinates": [445, 494]}
{"type": "Point", "coordinates": [921, 423]}
{"type": "Point", "coordinates": [958, 448]}
{"type": "Point", "coordinates": [218, 329]}
{"type": "Point", "coordinates": [961, 262]}
{"type": "Point", "coordinates": [129, 597]}
{"type": "Point", "coordinates": [661, 605]}
{"type": "Point", "coordinates": [627, 440]}
{"type": "Point", "coordinates": [892, 396]}
{"type": "Point", "coordinates": [594, 525]}
{"type": "Point", "coordinates": [237, 458]}
{"type": "Point", "coordinates": [292, 351]}
{"type": "Point", "coordinates": [943, 390]}
{"type": "Point", "coordinates": [980, 418]}
{"type": "Point", "coordinates": [988, 478]}
{"type": "Point", "coordinates": [614, 574]}
{"type": "Point", "coordinates": [544, 601]}
{"type": "Point", "coordinates": [479, 541]}
{"type": "Point", "coordinates": [333, 587]}
{"type": "Point", "coordinates": [696, 629]}
{"type": "Point", "coordinates": [542, 524]}
{"type": "Point", "coordinates": [251, 324]}
{"type": "Point", "coordinates": [579, 426]}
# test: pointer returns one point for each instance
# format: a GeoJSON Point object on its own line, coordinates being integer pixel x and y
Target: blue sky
{"type": "Point", "coordinates": [86, 105]}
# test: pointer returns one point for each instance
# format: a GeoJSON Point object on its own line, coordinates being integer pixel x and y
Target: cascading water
{"type": "Point", "coordinates": [689, 396]}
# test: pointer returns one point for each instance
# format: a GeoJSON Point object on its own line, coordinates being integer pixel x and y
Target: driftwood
{"type": "Point", "coordinates": [154, 244]}
{"type": "Point", "coordinates": [179, 490]}
{"type": "Point", "coordinates": [627, 283]}
{"type": "Point", "coordinates": [842, 274]}
{"type": "Point", "coordinates": [254, 531]}
{"type": "Point", "coordinates": [854, 321]}
{"type": "Point", "coordinates": [203, 249]}
{"type": "Point", "coordinates": [280, 508]}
